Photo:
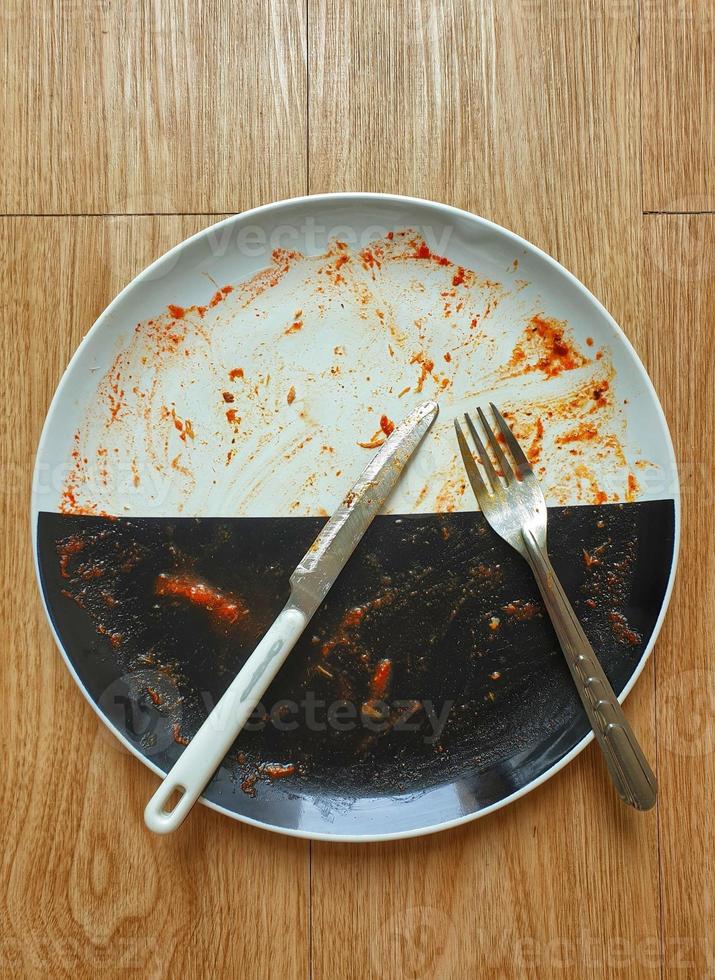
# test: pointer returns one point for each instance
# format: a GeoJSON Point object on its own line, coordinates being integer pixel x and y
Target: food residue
{"type": "Point", "coordinates": [621, 629]}
{"type": "Point", "coordinates": [521, 610]}
{"type": "Point", "coordinates": [399, 291]}
{"type": "Point", "coordinates": [177, 736]}
{"type": "Point", "coordinates": [381, 680]}
{"type": "Point", "coordinates": [227, 608]}
{"type": "Point", "coordinates": [387, 426]}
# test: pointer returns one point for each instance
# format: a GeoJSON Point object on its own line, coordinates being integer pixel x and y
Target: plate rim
{"type": "Point", "coordinates": [355, 197]}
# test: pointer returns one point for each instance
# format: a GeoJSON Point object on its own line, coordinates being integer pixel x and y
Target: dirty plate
{"type": "Point", "coordinates": [213, 418]}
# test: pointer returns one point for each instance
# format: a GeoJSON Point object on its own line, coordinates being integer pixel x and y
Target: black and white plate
{"type": "Point", "coordinates": [213, 418]}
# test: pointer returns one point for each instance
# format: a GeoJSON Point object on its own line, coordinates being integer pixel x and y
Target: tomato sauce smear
{"type": "Point", "coordinates": [219, 605]}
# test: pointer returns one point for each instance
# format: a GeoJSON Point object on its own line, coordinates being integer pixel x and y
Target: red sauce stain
{"type": "Point", "coordinates": [154, 695]}
{"type": "Point", "coordinates": [582, 433]}
{"type": "Point", "coordinates": [178, 312]}
{"type": "Point", "coordinates": [69, 504]}
{"type": "Point", "coordinates": [387, 426]}
{"type": "Point", "coordinates": [176, 465]}
{"type": "Point", "coordinates": [220, 295]}
{"type": "Point", "coordinates": [422, 251]}
{"type": "Point", "coordinates": [344, 634]}
{"type": "Point", "coordinates": [249, 784]}
{"type": "Point", "coordinates": [235, 373]}
{"type": "Point", "coordinates": [448, 357]}
{"type": "Point", "coordinates": [91, 573]}
{"type": "Point", "coordinates": [115, 392]}
{"type": "Point", "coordinates": [65, 549]}
{"type": "Point", "coordinates": [594, 557]}
{"type": "Point", "coordinates": [589, 341]}
{"type": "Point", "coordinates": [600, 393]}
{"type": "Point", "coordinates": [522, 611]}
{"type": "Point", "coordinates": [233, 417]}
{"type": "Point", "coordinates": [545, 348]}
{"type": "Point", "coordinates": [183, 426]}
{"type": "Point", "coordinates": [228, 396]}
{"type": "Point", "coordinates": [534, 451]}
{"type": "Point", "coordinates": [380, 681]}
{"type": "Point", "coordinates": [374, 443]}
{"type": "Point", "coordinates": [458, 277]}
{"type": "Point", "coordinates": [621, 630]}
{"type": "Point", "coordinates": [354, 616]}
{"type": "Point", "coordinates": [390, 235]}
{"type": "Point", "coordinates": [294, 327]}
{"type": "Point", "coordinates": [277, 770]}
{"type": "Point", "coordinates": [177, 736]}
{"type": "Point", "coordinates": [559, 356]}
{"type": "Point", "coordinates": [227, 608]}
{"type": "Point", "coordinates": [114, 638]}
{"type": "Point", "coordinates": [427, 366]}
{"type": "Point", "coordinates": [368, 259]}
{"type": "Point", "coordinates": [583, 473]}
{"type": "Point", "coordinates": [633, 487]}
{"type": "Point", "coordinates": [290, 397]}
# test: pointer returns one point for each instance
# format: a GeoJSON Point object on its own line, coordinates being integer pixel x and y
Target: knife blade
{"type": "Point", "coordinates": [310, 582]}
{"type": "Point", "coordinates": [326, 557]}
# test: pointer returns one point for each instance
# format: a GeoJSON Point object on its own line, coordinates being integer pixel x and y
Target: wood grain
{"type": "Point", "coordinates": [680, 269]}
{"type": "Point", "coordinates": [547, 116]}
{"type": "Point", "coordinates": [151, 107]}
{"type": "Point", "coordinates": [84, 888]}
{"type": "Point", "coordinates": [678, 83]}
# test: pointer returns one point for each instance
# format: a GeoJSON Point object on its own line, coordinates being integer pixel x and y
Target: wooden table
{"type": "Point", "coordinates": [585, 126]}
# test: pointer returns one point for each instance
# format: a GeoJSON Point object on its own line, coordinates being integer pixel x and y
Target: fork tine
{"type": "Point", "coordinates": [473, 474]}
{"type": "Point", "coordinates": [498, 452]}
{"type": "Point", "coordinates": [523, 468]}
{"type": "Point", "coordinates": [483, 454]}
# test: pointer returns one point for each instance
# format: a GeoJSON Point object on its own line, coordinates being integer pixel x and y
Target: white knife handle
{"type": "Point", "coordinates": [204, 753]}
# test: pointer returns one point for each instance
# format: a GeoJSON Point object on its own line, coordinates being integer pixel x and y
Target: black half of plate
{"type": "Point", "coordinates": [428, 686]}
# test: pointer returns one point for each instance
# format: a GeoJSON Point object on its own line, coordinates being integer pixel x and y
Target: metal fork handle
{"type": "Point", "coordinates": [631, 774]}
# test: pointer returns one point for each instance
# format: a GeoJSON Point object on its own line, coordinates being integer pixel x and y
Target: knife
{"type": "Point", "coordinates": [309, 583]}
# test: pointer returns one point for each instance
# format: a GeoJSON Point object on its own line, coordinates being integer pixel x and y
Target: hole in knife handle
{"type": "Point", "coordinates": [173, 800]}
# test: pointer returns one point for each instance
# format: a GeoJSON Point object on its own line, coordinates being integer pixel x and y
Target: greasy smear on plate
{"type": "Point", "coordinates": [432, 610]}
{"type": "Point", "coordinates": [219, 606]}
{"type": "Point", "coordinates": [225, 406]}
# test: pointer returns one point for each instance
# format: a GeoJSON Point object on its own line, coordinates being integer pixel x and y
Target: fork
{"type": "Point", "coordinates": [513, 504]}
